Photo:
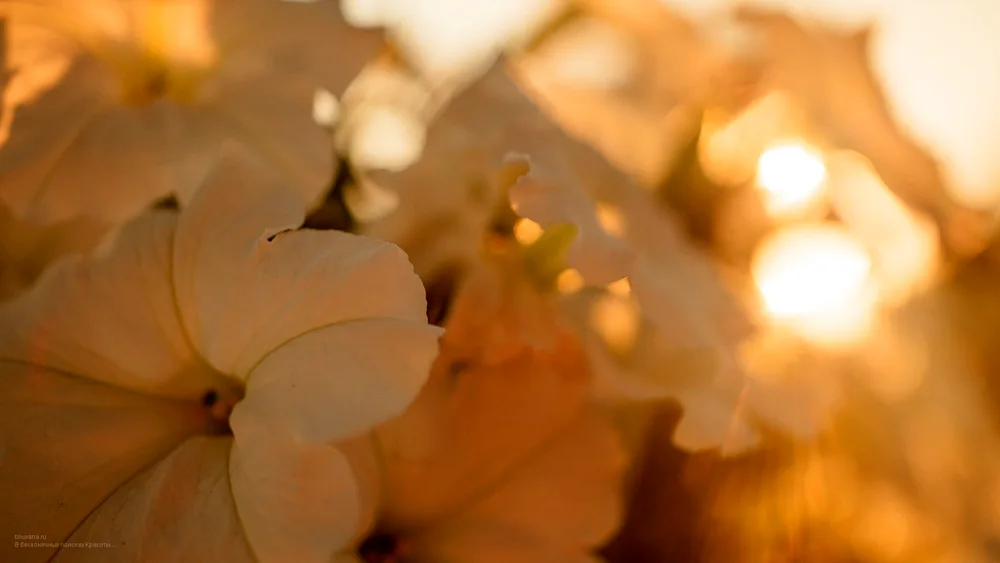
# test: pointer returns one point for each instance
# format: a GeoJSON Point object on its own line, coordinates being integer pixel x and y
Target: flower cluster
{"type": "Point", "coordinates": [423, 281]}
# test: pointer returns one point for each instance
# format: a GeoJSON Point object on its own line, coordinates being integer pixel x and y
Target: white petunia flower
{"type": "Point", "coordinates": [113, 104]}
{"type": "Point", "coordinates": [115, 362]}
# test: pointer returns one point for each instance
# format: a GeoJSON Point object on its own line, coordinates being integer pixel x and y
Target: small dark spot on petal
{"type": "Point", "coordinates": [378, 548]}
{"type": "Point", "coordinates": [457, 368]}
{"type": "Point", "coordinates": [275, 235]}
{"type": "Point", "coordinates": [210, 398]}
{"type": "Point", "coordinates": [169, 202]}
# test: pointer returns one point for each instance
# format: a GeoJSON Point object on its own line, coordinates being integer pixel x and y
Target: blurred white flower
{"type": "Point", "coordinates": [673, 331]}
{"type": "Point", "coordinates": [588, 53]}
{"type": "Point", "coordinates": [224, 305]}
{"type": "Point", "coordinates": [452, 40]}
{"type": "Point", "coordinates": [112, 105]}
{"type": "Point", "coordinates": [944, 92]}
{"type": "Point", "coordinates": [941, 93]}
{"type": "Point", "coordinates": [846, 14]}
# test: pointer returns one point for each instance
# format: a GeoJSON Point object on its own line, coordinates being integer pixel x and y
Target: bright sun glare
{"type": "Point", "coordinates": [791, 176]}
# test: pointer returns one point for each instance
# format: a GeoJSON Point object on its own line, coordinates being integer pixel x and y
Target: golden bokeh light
{"type": "Point", "coordinates": [527, 231]}
{"type": "Point", "coordinates": [816, 279]}
{"type": "Point", "coordinates": [569, 281]}
{"type": "Point", "coordinates": [611, 219]}
{"type": "Point", "coordinates": [622, 287]}
{"type": "Point", "coordinates": [616, 320]}
{"type": "Point", "coordinates": [830, 488]}
{"type": "Point", "coordinates": [326, 108]}
{"type": "Point", "coordinates": [729, 147]}
{"type": "Point", "coordinates": [368, 201]}
{"type": "Point", "coordinates": [791, 176]}
{"type": "Point", "coordinates": [386, 137]}
{"type": "Point", "coordinates": [887, 525]}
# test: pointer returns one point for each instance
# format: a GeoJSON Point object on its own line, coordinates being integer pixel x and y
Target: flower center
{"type": "Point", "coordinates": [219, 403]}
{"type": "Point", "coordinates": [171, 53]}
{"type": "Point", "coordinates": [380, 548]}
{"type": "Point", "coordinates": [145, 86]}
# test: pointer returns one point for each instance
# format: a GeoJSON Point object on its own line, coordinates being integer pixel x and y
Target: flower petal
{"type": "Point", "coordinates": [476, 418]}
{"type": "Point", "coordinates": [181, 509]}
{"type": "Point", "coordinates": [278, 126]}
{"type": "Point", "coordinates": [566, 498]}
{"type": "Point", "coordinates": [712, 420]}
{"type": "Point", "coordinates": [110, 317]}
{"type": "Point", "coordinates": [268, 78]}
{"type": "Point", "coordinates": [67, 443]}
{"type": "Point", "coordinates": [297, 502]}
{"type": "Point", "coordinates": [27, 248]}
{"type": "Point", "coordinates": [339, 381]}
{"type": "Point", "coordinates": [288, 283]}
{"type": "Point", "coordinates": [253, 36]}
{"type": "Point", "coordinates": [549, 195]}
{"type": "Point", "coordinates": [47, 139]}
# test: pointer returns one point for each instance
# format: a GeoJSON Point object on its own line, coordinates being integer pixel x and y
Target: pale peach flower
{"type": "Point", "coordinates": [113, 104]}
{"type": "Point", "coordinates": [297, 340]}
{"type": "Point", "coordinates": [501, 458]}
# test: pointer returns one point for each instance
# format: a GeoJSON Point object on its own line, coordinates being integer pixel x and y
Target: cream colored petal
{"type": "Point", "coordinates": [323, 52]}
{"type": "Point", "coordinates": [54, 165]}
{"type": "Point", "coordinates": [339, 381]}
{"type": "Point", "coordinates": [75, 150]}
{"type": "Point", "coordinates": [113, 168]}
{"type": "Point", "coordinates": [181, 509]}
{"type": "Point", "coordinates": [296, 502]}
{"type": "Point", "coordinates": [546, 197]}
{"type": "Point", "coordinates": [455, 40]}
{"type": "Point", "coordinates": [67, 443]}
{"type": "Point", "coordinates": [243, 289]}
{"type": "Point", "coordinates": [278, 127]}
{"type": "Point", "coordinates": [565, 498]}
{"type": "Point", "coordinates": [110, 317]}
{"type": "Point", "coordinates": [711, 420]}
{"type": "Point", "coordinates": [26, 248]}
{"type": "Point", "coordinates": [655, 369]}
{"type": "Point", "coordinates": [665, 297]}
{"type": "Point", "coordinates": [475, 420]}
